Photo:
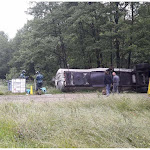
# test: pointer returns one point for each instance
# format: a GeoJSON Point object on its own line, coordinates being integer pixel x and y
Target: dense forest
{"type": "Point", "coordinates": [77, 35]}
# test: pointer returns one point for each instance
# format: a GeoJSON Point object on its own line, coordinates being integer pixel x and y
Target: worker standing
{"type": "Point", "coordinates": [116, 81]}
{"type": "Point", "coordinates": [107, 82]}
{"type": "Point", "coordinates": [39, 81]}
{"type": "Point", "coordinates": [22, 75]}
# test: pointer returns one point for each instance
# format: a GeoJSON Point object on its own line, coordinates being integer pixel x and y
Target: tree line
{"type": "Point", "coordinates": [77, 35]}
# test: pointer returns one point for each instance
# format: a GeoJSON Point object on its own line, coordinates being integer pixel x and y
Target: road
{"type": "Point", "coordinates": [47, 97]}
{"type": "Point", "coordinates": [65, 97]}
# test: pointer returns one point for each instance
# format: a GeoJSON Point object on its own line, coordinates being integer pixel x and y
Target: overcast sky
{"type": "Point", "coordinates": [12, 15]}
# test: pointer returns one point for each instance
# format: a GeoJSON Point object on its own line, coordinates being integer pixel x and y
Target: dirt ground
{"type": "Point", "coordinates": [61, 97]}
{"type": "Point", "coordinates": [47, 97]}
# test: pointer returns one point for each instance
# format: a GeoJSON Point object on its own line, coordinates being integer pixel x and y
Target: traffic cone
{"type": "Point", "coordinates": [31, 90]}
{"type": "Point", "coordinates": [148, 92]}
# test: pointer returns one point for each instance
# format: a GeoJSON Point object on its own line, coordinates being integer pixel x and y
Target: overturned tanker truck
{"type": "Point", "coordinates": [135, 79]}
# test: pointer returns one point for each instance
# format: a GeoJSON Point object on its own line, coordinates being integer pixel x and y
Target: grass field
{"type": "Point", "coordinates": [103, 122]}
{"type": "Point", "coordinates": [4, 89]}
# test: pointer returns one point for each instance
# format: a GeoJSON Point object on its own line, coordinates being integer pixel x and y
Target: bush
{"type": "Point", "coordinates": [1, 93]}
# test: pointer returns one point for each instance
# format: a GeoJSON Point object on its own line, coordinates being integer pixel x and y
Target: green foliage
{"type": "Point", "coordinates": [52, 90]}
{"type": "Point", "coordinates": [81, 34]}
{"type": "Point", "coordinates": [12, 74]}
{"type": "Point", "coordinates": [5, 54]}
{"type": "Point", "coordinates": [3, 87]}
{"type": "Point", "coordinates": [1, 93]}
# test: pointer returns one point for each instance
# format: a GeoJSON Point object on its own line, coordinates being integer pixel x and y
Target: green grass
{"type": "Point", "coordinates": [121, 121]}
{"type": "Point", "coordinates": [52, 90]}
{"type": "Point", "coordinates": [4, 89]}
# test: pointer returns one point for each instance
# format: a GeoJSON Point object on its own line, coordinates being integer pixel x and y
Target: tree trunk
{"type": "Point", "coordinates": [90, 62]}
{"type": "Point", "coordinates": [98, 58]}
{"type": "Point", "coordinates": [97, 51]}
{"type": "Point", "coordinates": [82, 35]}
{"type": "Point", "coordinates": [131, 42]}
{"type": "Point", "coordinates": [63, 52]}
{"type": "Point", "coordinates": [117, 54]}
{"type": "Point", "coordinates": [117, 44]}
{"type": "Point", "coordinates": [111, 48]}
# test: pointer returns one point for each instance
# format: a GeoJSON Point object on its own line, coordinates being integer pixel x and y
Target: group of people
{"type": "Point", "coordinates": [39, 79]}
{"type": "Point", "coordinates": [108, 81]}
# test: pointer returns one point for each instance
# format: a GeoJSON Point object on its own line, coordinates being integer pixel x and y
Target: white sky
{"type": "Point", "coordinates": [12, 16]}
